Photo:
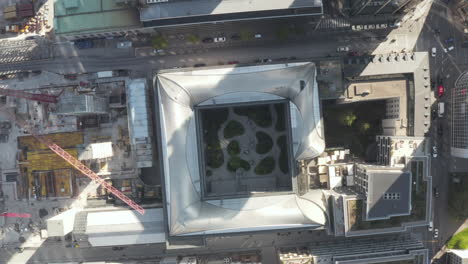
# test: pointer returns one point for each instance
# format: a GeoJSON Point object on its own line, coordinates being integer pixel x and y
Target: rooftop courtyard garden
{"type": "Point", "coordinates": [245, 149]}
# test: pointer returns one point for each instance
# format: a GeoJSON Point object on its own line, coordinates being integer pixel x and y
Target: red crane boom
{"type": "Point", "coordinates": [77, 164]}
{"type": "Point", "coordinates": [46, 98]}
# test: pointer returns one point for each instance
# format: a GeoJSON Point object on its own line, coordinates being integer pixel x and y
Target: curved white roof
{"type": "Point", "coordinates": [180, 92]}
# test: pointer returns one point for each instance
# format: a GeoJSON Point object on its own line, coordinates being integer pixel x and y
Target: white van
{"type": "Point", "coordinates": [441, 109]}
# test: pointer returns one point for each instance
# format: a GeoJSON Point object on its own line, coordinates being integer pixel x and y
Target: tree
{"type": "Point", "coordinates": [365, 126]}
{"type": "Point", "coordinates": [347, 118]}
{"type": "Point", "coordinates": [194, 39]}
{"type": "Point", "coordinates": [159, 42]}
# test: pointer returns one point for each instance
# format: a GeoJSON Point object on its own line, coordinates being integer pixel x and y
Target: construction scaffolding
{"type": "Point", "coordinates": [83, 104]}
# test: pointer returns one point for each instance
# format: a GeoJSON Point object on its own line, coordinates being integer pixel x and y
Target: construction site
{"type": "Point", "coordinates": [77, 145]}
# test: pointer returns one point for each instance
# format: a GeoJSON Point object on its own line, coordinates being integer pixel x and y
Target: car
{"type": "Point", "coordinates": [124, 44]}
{"type": "Point", "coordinates": [450, 48]}
{"type": "Point", "coordinates": [440, 90]}
{"type": "Point", "coordinates": [267, 60]}
{"type": "Point", "coordinates": [434, 151]}
{"type": "Point", "coordinates": [207, 40]}
{"type": "Point", "coordinates": [433, 51]}
{"type": "Point", "coordinates": [258, 35]}
{"type": "Point", "coordinates": [436, 233]}
{"type": "Point", "coordinates": [396, 24]}
{"type": "Point", "coordinates": [159, 51]}
{"type": "Point", "coordinates": [342, 49]}
{"type": "Point", "coordinates": [220, 39]}
{"type": "Point", "coordinates": [70, 76]}
{"type": "Point", "coordinates": [84, 44]}
{"type": "Point", "coordinates": [433, 114]}
{"type": "Point", "coordinates": [199, 65]}
{"type": "Point", "coordinates": [117, 248]}
{"type": "Point", "coordinates": [430, 227]}
{"type": "Point", "coordinates": [436, 192]}
{"type": "Point", "coordinates": [353, 53]}
{"type": "Point", "coordinates": [235, 37]}
{"type": "Point", "coordinates": [449, 40]}
{"type": "Point", "coordinates": [232, 62]}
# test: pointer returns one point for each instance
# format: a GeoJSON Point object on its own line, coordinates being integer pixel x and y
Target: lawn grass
{"type": "Point", "coordinates": [459, 241]}
{"type": "Point", "coordinates": [265, 166]}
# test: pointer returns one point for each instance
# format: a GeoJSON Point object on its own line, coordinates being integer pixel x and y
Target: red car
{"type": "Point", "coordinates": [440, 90]}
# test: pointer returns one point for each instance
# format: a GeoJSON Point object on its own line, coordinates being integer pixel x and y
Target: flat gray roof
{"type": "Point", "coordinates": [174, 9]}
{"type": "Point", "coordinates": [389, 194]}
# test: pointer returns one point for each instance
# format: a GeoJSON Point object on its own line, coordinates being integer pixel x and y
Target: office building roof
{"type": "Point", "coordinates": [92, 16]}
{"type": "Point", "coordinates": [180, 92]}
{"type": "Point", "coordinates": [216, 10]}
{"type": "Point", "coordinates": [389, 193]}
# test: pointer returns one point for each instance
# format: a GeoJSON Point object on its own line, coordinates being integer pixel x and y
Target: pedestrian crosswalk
{"type": "Point", "coordinates": [333, 24]}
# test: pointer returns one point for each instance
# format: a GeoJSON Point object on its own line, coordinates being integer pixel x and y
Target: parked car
{"type": "Point", "coordinates": [436, 192]}
{"type": "Point", "coordinates": [124, 44]}
{"type": "Point", "coordinates": [353, 53]}
{"type": "Point", "coordinates": [70, 76]}
{"type": "Point", "coordinates": [434, 151]}
{"type": "Point", "coordinates": [258, 35]}
{"type": "Point", "coordinates": [431, 226]}
{"type": "Point", "coordinates": [232, 62]}
{"type": "Point", "coordinates": [84, 44]}
{"type": "Point", "coordinates": [433, 114]}
{"type": "Point", "coordinates": [267, 60]}
{"type": "Point", "coordinates": [433, 51]}
{"type": "Point", "coordinates": [436, 233]}
{"type": "Point", "coordinates": [220, 39]}
{"type": "Point", "coordinates": [159, 51]}
{"type": "Point", "coordinates": [199, 65]}
{"type": "Point", "coordinates": [207, 40]}
{"type": "Point", "coordinates": [449, 40]}
{"type": "Point", "coordinates": [235, 37]}
{"type": "Point", "coordinates": [440, 90]}
{"type": "Point", "coordinates": [342, 49]}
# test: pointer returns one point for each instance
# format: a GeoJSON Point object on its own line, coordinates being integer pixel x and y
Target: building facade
{"type": "Point", "coordinates": [458, 256]}
{"type": "Point", "coordinates": [459, 144]}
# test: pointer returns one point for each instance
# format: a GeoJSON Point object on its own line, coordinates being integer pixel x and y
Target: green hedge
{"type": "Point", "coordinates": [265, 166]}
{"type": "Point", "coordinates": [233, 148]}
{"type": "Point", "coordinates": [232, 129]}
{"type": "Point", "coordinates": [260, 114]}
{"type": "Point", "coordinates": [235, 163]}
{"type": "Point", "coordinates": [283, 157]}
{"type": "Point", "coordinates": [264, 143]}
{"type": "Point", "coordinates": [280, 125]}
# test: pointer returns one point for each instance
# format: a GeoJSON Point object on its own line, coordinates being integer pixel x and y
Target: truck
{"type": "Point", "coordinates": [441, 107]}
{"type": "Point", "coordinates": [105, 74]}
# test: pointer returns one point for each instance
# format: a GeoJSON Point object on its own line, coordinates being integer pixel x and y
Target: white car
{"type": "Point", "coordinates": [434, 151]}
{"type": "Point", "coordinates": [342, 49]}
{"type": "Point", "coordinates": [220, 39]}
{"type": "Point", "coordinates": [433, 51]}
{"type": "Point", "coordinates": [124, 44]}
{"type": "Point", "coordinates": [258, 35]}
{"type": "Point", "coordinates": [430, 227]}
{"type": "Point", "coordinates": [436, 233]}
